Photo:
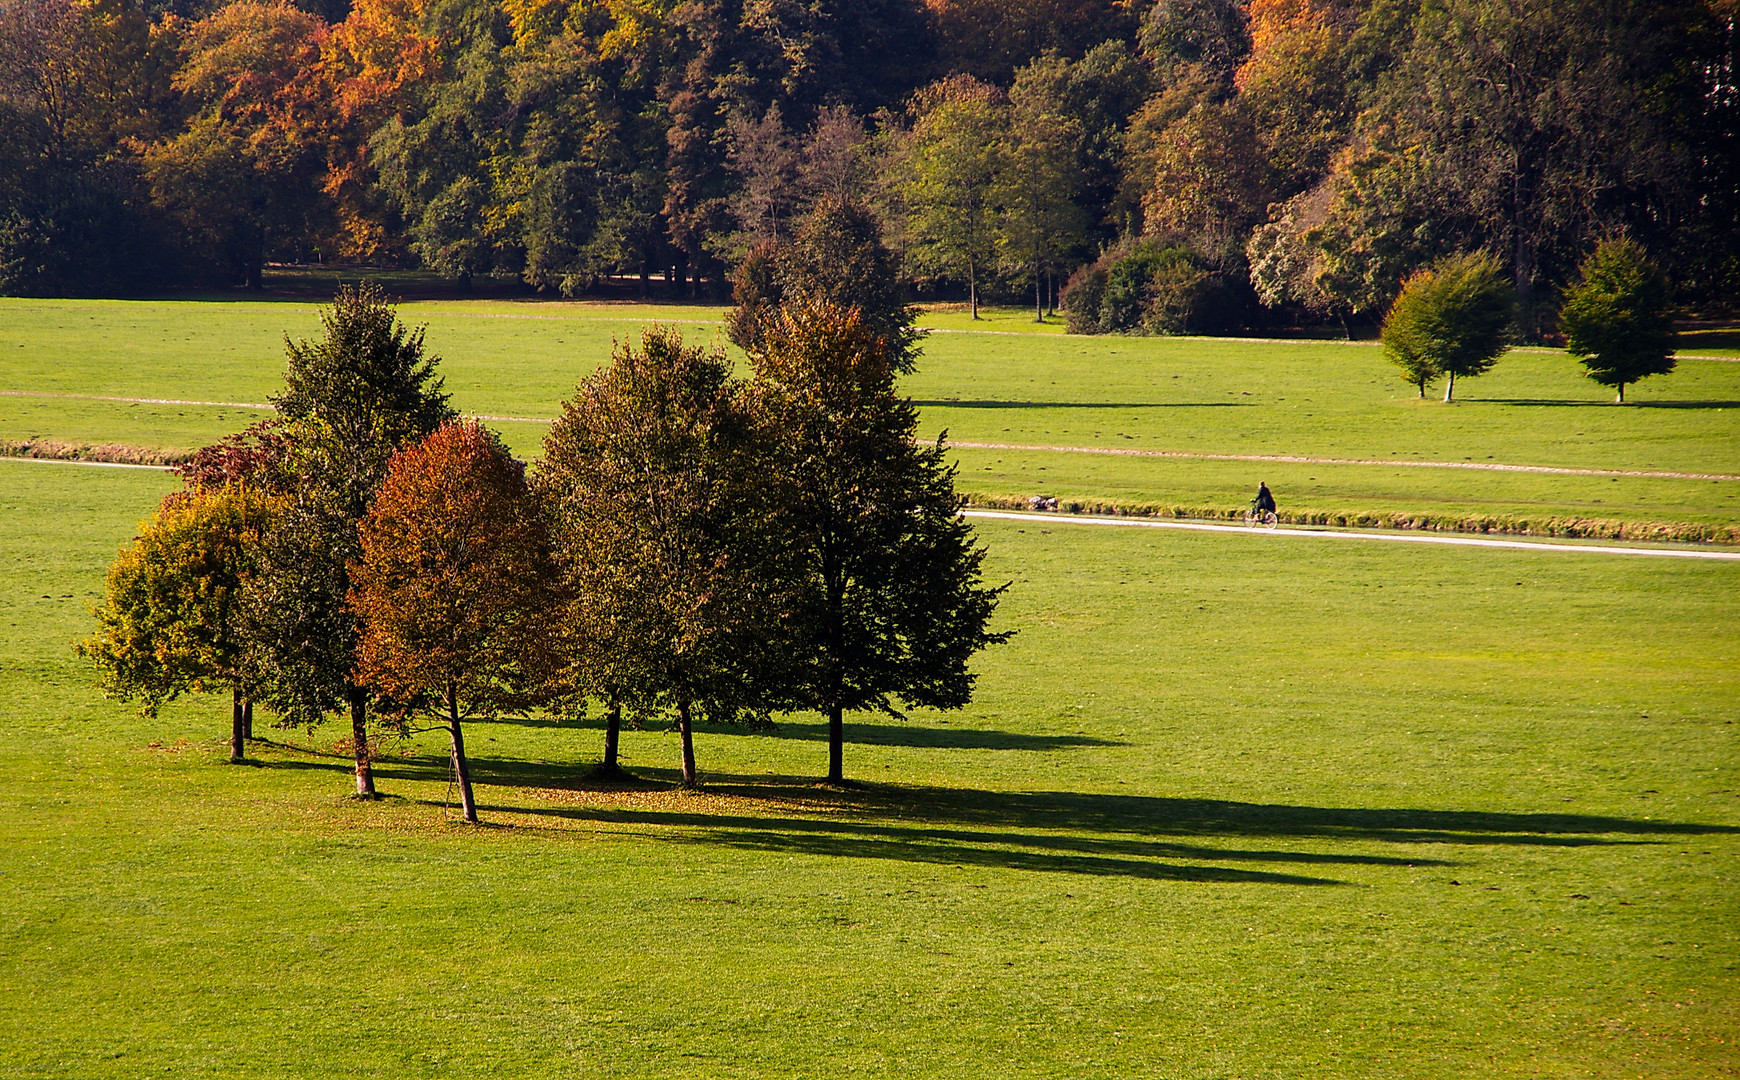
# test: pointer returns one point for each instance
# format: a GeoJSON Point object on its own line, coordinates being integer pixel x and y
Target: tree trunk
{"type": "Point", "coordinates": [1422, 389]}
{"type": "Point", "coordinates": [359, 735]}
{"type": "Point", "coordinates": [612, 737]}
{"type": "Point", "coordinates": [1450, 387]}
{"type": "Point", "coordinates": [836, 745]}
{"type": "Point", "coordinates": [1347, 332]}
{"type": "Point", "coordinates": [644, 275]}
{"type": "Point", "coordinates": [238, 726]}
{"type": "Point", "coordinates": [686, 730]}
{"type": "Point", "coordinates": [1621, 399]}
{"type": "Point", "coordinates": [248, 719]}
{"type": "Point", "coordinates": [1038, 296]}
{"type": "Point", "coordinates": [460, 768]}
{"type": "Point", "coordinates": [973, 289]}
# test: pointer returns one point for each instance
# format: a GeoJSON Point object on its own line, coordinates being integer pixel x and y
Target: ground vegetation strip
{"type": "Point", "coordinates": [1383, 810]}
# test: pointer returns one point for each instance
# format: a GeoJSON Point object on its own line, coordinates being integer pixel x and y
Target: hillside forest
{"type": "Point", "coordinates": [1264, 162]}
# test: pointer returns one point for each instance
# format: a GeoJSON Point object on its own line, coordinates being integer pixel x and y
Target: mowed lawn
{"type": "Point", "coordinates": [1005, 384]}
{"type": "Point", "coordinates": [1226, 806]}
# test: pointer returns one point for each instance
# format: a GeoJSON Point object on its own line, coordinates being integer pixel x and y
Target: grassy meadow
{"type": "Point", "coordinates": [1227, 806]}
{"type": "Point", "coordinates": [1009, 381]}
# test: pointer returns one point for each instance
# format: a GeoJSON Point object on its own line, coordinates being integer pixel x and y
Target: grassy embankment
{"type": "Point", "coordinates": [1226, 806]}
{"type": "Point", "coordinates": [1007, 382]}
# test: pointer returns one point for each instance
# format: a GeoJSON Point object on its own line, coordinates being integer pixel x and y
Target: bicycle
{"type": "Point", "coordinates": [1255, 518]}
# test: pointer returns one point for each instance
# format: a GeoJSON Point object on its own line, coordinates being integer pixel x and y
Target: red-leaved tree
{"type": "Point", "coordinates": [453, 585]}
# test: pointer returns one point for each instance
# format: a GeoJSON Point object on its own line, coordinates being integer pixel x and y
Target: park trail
{"type": "Point", "coordinates": [1333, 534]}
{"type": "Point", "coordinates": [1486, 466]}
{"type": "Point", "coordinates": [1197, 526]}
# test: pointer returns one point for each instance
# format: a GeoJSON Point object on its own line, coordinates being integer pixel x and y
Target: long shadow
{"type": "Point", "coordinates": [1607, 404]}
{"type": "Point", "coordinates": [929, 738]}
{"type": "Point", "coordinates": [951, 403]}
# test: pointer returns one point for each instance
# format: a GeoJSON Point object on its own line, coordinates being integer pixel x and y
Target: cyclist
{"type": "Point", "coordinates": [1264, 502]}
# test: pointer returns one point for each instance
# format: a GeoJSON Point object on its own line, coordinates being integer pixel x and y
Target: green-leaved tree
{"type": "Point", "coordinates": [660, 523]}
{"type": "Point", "coordinates": [1450, 320]}
{"type": "Point", "coordinates": [890, 604]}
{"type": "Point", "coordinates": [1616, 317]}
{"type": "Point", "coordinates": [170, 620]}
{"type": "Point", "coordinates": [353, 399]}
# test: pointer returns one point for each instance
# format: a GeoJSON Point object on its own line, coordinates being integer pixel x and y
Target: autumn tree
{"type": "Point", "coordinates": [890, 604]}
{"type": "Point", "coordinates": [1616, 317]}
{"type": "Point", "coordinates": [951, 167]}
{"type": "Point", "coordinates": [352, 400]}
{"type": "Point", "coordinates": [1040, 175]}
{"type": "Point", "coordinates": [453, 586]}
{"type": "Point", "coordinates": [661, 530]}
{"type": "Point", "coordinates": [1452, 319]}
{"type": "Point", "coordinates": [171, 615]}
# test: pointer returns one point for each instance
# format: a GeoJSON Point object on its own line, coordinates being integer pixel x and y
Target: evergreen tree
{"type": "Point", "coordinates": [1616, 317]}
{"type": "Point", "coordinates": [353, 399]}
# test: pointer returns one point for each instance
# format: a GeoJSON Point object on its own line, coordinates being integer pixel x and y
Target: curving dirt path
{"type": "Point", "coordinates": [1332, 534]}
{"type": "Point", "coordinates": [1296, 459]}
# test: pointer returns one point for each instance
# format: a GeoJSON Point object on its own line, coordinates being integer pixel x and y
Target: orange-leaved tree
{"type": "Point", "coordinates": [453, 585]}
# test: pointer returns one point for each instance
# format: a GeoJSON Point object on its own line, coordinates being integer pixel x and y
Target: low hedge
{"type": "Point", "coordinates": [108, 453]}
{"type": "Point", "coordinates": [1490, 524]}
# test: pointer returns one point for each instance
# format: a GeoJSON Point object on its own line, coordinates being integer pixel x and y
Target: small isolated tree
{"type": "Point", "coordinates": [1616, 317]}
{"type": "Point", "coordinates": [889, 600]}
{"type": "Point", "coordinates": [353, 399]}
{"type": "Point", "coordinates": [1451, 320]}
{"type": "Point", "coordinates": [170, 620]}
{"type": "Point", "coordinates": [453, 586]}
{"type": "Point", "coordinates": [661, 533]}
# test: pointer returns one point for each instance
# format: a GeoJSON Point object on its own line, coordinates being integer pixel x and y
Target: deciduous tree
{"type": "Point", "coordinates": [950, 188]}
{"type": "Point", "coordinates": [890, 601]}
{"type": "Point", "coordinates": [1450, 320]}
{"type": "Point", "coordinates": [170, 619]}
{"type": "Point", "coordinates": [454, 586]}
{"type": "Point", "coordinates": [661, 526]}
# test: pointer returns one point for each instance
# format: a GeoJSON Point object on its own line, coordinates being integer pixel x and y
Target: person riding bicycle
{"type": "Point", "coordinates": [1264, 502]}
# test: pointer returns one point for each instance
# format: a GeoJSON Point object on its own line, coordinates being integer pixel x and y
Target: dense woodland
{"type": "Point", "coordinates": [1194, 164]}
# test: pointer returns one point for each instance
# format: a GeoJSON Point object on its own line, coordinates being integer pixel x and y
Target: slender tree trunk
{"type": "Point", "coordinates": [644, 275]}
{"type": "Point", "coordinates": [359, 735]}
{"type": "Point", "coordinates": [836, 745]}
{"type": "Point", "coordinates": [1450, 387]}
{"type": "Point", "coordinates": [1422, 389]}
{"type": "Point", "coordinates": [248, 719]}
{"type": "Point", "coordinates": [1038, 296]}
{"type": "Point", "coordinates": [1347, 332]}
{"type": "Point", "coordinates": [1621, 398]}
{"type": "Point", "coordinates": [238, 726]}
{"type": "Point", "coordinates": [459, 764]}
{"type": "Point", "coordinates": [612, 737]}
{"type": "Point", "coordinates": [973, 289]}
{"type": "Point", "coordinates": [686, 729]}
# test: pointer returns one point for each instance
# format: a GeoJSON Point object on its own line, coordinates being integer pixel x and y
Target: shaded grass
{"type": "Point", "coordinates": [1219, 809]}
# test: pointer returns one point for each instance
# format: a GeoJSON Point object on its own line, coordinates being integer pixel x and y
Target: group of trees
{"type": "Point", "coordinates": [1455, 319]}
{"type": "Point", "coordinates": [1266, 159]}
{"type": "Point", "coordinates": [691, 545]}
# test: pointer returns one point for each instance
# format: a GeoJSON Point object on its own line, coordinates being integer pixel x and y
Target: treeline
{"type": "Point", "coordinates": [1194, 164]}
{"type": "Point", "coordinates": [690, 545]}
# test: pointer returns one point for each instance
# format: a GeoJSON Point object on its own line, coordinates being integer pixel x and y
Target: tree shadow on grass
{"type": "Point", "coordinates": [954, 403]}
{"type": "Point", "coordinates": [1606, 403]}
{"type": "Point", "coordinates": [928, 738]}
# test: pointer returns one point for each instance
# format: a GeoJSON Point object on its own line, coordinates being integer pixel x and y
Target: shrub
{"type": "Point", "coordinates": [1152, 286]}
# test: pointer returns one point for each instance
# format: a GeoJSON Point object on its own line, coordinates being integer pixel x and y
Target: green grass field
{"type": "Point", "coordinates": [1227, 806]}
{"type": "Point", "coordinates": [1005, 380]}
{"type": "Point", "coordinates": [1430, 813]}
